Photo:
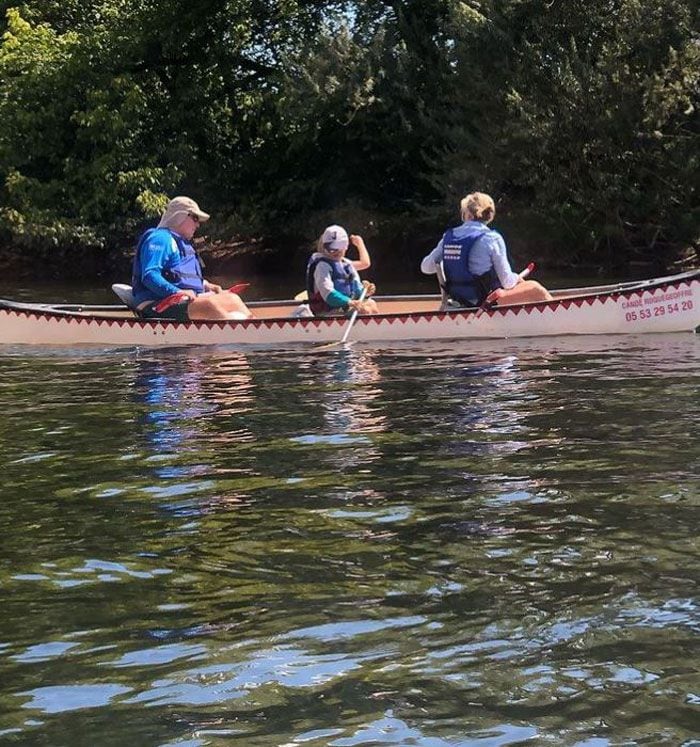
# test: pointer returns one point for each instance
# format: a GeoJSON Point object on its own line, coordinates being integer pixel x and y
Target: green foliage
{"type": "Point", "coordinates": [581, 119]}
{"type": "Point", "coordinates": [71, 137]}
{"type": "Point", "coordinates": [360, 119]}
{"type": "Point", "coordinates": [597, 131]}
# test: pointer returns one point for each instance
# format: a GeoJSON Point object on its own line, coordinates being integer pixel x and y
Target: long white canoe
{"type": "Point", "coordinates": [666, 304]}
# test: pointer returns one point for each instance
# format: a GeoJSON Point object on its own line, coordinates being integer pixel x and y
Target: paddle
{"type": "Point", "coordinates": [348, 326]}
{"type": "Point", "coordinates": [171, 300]}
{"type": "Point", "coordinates": [238, 287]}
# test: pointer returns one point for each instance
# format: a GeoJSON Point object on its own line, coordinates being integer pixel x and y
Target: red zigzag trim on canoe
{"type": "Point", "coordinates": [341, 321]}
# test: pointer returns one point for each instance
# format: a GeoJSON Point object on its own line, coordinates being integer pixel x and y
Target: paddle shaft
{"type": "Point", "coordinates": [353, 316]}
{"type": "Point", "coordinates": [527, 270]}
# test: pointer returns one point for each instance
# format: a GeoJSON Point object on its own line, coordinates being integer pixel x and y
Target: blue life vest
{"type": "Point", "coordinates": [185, 273]}
{"type": "Point", "coordinates": [462, 285]}
{"type": "Point", "coordinates": [342, 275]}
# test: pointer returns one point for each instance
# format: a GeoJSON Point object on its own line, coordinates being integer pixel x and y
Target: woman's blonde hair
{"type": "Point", "coordinates": [478, 206]}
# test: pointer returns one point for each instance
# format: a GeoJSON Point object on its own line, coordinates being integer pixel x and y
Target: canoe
{"type": "Point", "coordinates": [664, 304]}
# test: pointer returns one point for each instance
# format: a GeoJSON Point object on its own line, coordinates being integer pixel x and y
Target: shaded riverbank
{"type": "Point", "coordinates": [68, 263]}
{"type": "Point", "coordinates": [397, 259]}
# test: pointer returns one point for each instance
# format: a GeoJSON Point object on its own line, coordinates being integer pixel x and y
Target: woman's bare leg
{"type": "Point", "coordinates": [527, 291]}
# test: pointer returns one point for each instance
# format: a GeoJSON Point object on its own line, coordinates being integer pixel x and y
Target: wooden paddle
{"type": "Point", "coordinates": [348, 326]}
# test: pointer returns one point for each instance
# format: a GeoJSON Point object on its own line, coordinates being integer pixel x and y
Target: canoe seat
{"type": "Point", "coordinates": [126, 294]}
{"type": "Point", "coordinates": [447, 303]}
{"type": "Point", "coordinates": [301, 311]}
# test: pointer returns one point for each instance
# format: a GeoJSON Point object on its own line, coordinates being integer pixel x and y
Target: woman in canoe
{"type": "Point", "coordinates": [475, 261]}
{"type": "Point", "coordinates": [166, 264]}
{"type": "Point", "coordinates": [332, 283]}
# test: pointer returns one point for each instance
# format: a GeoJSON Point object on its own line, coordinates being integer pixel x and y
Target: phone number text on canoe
{"type": "Point", "coordinates": [659, 305]}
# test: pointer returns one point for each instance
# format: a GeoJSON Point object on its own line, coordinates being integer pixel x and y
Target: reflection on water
{"type": "Point", "coordinates": [489, 544]}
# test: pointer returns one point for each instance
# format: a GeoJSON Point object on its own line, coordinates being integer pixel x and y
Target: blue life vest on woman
{"type": "Point", "coordinates": [342, 275]}
{"type": "Point", "coordinates": [462, 285]}
{"type": "Point", "coordinates": [186, 272]}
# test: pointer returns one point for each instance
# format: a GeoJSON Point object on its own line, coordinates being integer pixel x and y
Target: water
{"type": "Point", "coordinates": [493, 544]}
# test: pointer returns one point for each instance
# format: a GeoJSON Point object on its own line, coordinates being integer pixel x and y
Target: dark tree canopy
{"type": "Point", "coordinates": [582, 120]}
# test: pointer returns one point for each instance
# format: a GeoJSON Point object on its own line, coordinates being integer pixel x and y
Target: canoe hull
{"type": "Point", "coordinates": [664, 305]}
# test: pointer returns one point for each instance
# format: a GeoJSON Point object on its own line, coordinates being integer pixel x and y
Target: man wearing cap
{"type": "Point", "coordinates": [166, 264]}
{"type": "Point", "coordinates": [332, 283]}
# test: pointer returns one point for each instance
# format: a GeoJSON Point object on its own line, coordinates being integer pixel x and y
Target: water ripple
{"type": "Point", "coordinates": [423, 544]}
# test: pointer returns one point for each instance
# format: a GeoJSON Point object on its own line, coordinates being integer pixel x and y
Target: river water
{"type": "Point", "coordinates": [435, 544]}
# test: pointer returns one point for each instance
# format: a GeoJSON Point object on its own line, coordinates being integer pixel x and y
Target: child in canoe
{"type": "Point", "coordinates": [332, 281]}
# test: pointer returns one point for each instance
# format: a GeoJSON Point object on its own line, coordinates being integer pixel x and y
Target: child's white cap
{"type": "Point", "coordinates": [335, 237]}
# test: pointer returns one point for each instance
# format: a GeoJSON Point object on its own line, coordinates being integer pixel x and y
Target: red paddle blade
{"type": "Point", "coordinates": [169, 301]}
{"type": "Point", "coordinates": [238, 287]}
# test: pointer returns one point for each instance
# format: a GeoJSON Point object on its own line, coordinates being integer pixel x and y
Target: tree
{"type": "Point", "coordinates": [584, 120]}
{"type": "Point", "coordinates": [594, 125]}
{"type": "Point", "coordinates": [107, 107]}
